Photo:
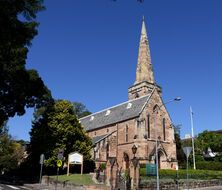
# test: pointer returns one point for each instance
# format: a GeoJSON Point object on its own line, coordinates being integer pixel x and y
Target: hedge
{"type": "Point", "coordinates": [201, 165]}
{"type": "Point", "coordinates": [209, 165]}
{"type": "Point", "coordinates": [193, 174]}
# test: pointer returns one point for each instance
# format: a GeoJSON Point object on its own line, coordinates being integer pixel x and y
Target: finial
{"type": "Point", "coordinates": [143, 26]}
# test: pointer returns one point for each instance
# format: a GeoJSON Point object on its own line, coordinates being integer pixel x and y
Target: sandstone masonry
{"type": "Point", "coordinates": [117, 129]}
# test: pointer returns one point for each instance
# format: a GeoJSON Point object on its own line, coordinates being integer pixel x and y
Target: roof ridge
{"type": "Point", "coordinates": [129, 101]}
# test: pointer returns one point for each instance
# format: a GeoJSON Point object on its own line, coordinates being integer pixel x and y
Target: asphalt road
{"type": "Point", "coordinates": [25, 187]}
{"type": "Point", "coordinates": [13, 187]}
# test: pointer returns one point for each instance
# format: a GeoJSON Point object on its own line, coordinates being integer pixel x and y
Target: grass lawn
{"type": "Point", "coordinates": [78, 179]}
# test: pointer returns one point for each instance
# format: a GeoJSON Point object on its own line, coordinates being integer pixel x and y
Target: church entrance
{"type": "Point", "coordinates": [126, 160]}
{"type": "Point", "coordinates": [159, 160]}
{"type": "Point", "coordinates": [124, 181]}
{"type": "Point", "coordinates": [161, 157]}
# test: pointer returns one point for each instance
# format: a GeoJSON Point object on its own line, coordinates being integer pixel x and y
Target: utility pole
{"type": "Point", "coordinates": [191, 118]}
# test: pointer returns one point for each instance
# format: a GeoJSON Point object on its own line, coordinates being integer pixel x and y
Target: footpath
{"type": "Point", "coordinates": [51, 184]}
{"type": "Point", "coordinates": [45, 187]}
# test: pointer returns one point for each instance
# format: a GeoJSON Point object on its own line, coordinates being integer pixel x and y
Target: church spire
{"type": "Point", "coordinates": [145, 82]}
{"type": "Point", "coordinates": [144, 71]}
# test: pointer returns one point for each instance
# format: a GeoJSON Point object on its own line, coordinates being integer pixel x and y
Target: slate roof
{"type": "Point", "coordinates": [98, 138]}
{"type": "Point", "coordinates": [117, 113]}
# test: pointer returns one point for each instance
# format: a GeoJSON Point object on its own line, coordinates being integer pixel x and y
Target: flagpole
{"type": "Point", "coordinates": [191, 118]}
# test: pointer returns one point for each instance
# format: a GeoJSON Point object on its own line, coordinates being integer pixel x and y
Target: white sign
{"type": "Point", "coordinates": [187, 151]}
{"type": "Point", "coordinates": [75, 158]}
{"type": "Point", "coordinates": [42, 158]}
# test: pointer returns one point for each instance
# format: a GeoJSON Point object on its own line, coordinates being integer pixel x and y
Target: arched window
{"type": "Point", "coordinates": [148, 126]}
{"type": "Point", "coordinates": [164, 129]}
{"type": "Point", "coordinates": [126, 133]}
{"type": "Point", "coordinates": [107, 151]}
{"type": "Point", "coordinates": [156, 108]}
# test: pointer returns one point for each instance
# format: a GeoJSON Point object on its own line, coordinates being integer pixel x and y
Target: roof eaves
{"type": "Point", "coordinates": [105, 136]}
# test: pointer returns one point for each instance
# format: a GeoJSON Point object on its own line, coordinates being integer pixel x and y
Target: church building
{"type": "Point", "coordinates": [142, 121]}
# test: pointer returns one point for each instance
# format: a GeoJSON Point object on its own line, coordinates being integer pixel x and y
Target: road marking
{"type": "Point", "coordinates": [23, 187]}
{"type": "Point", "coordinates": [13, 187]}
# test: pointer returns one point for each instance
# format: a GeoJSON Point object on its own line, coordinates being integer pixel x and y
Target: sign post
{"type": "Point", "coordinates": [150, 169]}
{"type": "Point", "coordinates": [177, 177]}
{"type": "Point", "coordinates": [60, 154]}
{"type": "Point", "coordinates": [41, 162]}
{"type": "Point", "coordinates": [59, 164]}
{"type": "Point", "coordinates": [187, 151]}
{"type": "Point", "coordinates": [75, 158]}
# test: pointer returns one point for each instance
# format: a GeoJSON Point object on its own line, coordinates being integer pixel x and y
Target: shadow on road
{"type": "Point", "coordinates": [17, 180]}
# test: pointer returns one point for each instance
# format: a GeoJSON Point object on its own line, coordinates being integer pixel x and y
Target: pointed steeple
{"type": "Point", "coordinates": [144, 71]}
{"type": "Point", "coordinates": [145, 82]}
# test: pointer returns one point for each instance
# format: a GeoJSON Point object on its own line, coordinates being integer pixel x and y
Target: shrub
{"type": "Point", "coordinates": [88, 166]}
{"type": "Point", "coordinates": [182, 174]}
{"type": "Point", "coordinates": [103, 166]}
{"type": "Point", "coordinates": [142, 165]}
{"type": "Point", "coordinates": [199, 158]}
{"type": "Point", "coordinates": [209, 165]}
{"type": "Point", "coordinates": [143, 171]}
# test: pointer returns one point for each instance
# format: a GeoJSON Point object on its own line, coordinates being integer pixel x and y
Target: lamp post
{"type": "Point", "coordinates": [135, 163]}
{"type": "Point", "coordinates": [191, 119]}
{"type": "Point", "coordinates": [134, 149]}
{"type": "Point", "coordinates": [155, 111]}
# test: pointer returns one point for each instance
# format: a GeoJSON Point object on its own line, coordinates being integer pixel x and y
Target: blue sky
{"type": "Point", "coordinates": [86, 51]}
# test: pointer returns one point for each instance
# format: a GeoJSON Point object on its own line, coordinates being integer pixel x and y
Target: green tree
{"type": "Point", "coordinates": [80, 109]}
{"type": "Point", "coordinates": [180, 155]}
{"type": "Point", "coordinates": [19, 87]}
{"type": "Point", "coordinates": [208, 139]}
{"type": "Point", "coordinates": [11, 152]}
{"type": "Point", "coordinates": [58, 128]}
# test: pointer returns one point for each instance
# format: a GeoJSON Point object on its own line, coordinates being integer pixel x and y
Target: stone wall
{"type": "Point", "coordinates": [182, 185]}
{"type": "Point", "coordinates": [51, 183]}
{"type": "Point", "coordinates": [143, 185]}
{"type": "Point", "coordinates": [102, 131]}
{"type": "Point", "coordinates": [167, 146]}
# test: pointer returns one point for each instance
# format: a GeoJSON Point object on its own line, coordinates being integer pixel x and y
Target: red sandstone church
{"type": "Point", "coordinates": [117, 129]}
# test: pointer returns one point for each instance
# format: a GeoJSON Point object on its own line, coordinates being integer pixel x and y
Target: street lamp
{"type": "Point", "coordinates": [155, 111]}
{"type": "Point", "coordinates": [135, 162]}
{"type": "Point", "coordinates": [134, 149]}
